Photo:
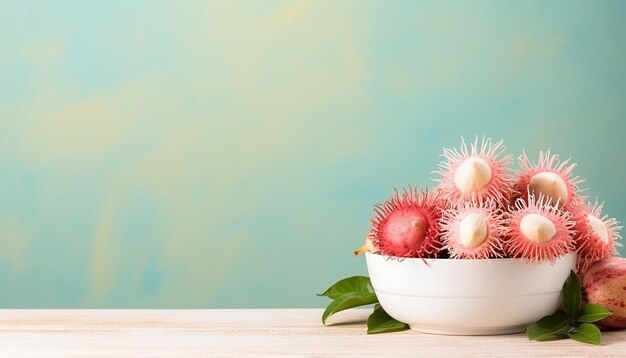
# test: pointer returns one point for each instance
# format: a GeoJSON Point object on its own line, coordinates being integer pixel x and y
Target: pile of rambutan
{"type": "Point", "coordinates": [482, 209]}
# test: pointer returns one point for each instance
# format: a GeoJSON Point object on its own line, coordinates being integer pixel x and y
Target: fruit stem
{"type": "Point", "coordinates": [368, 246]}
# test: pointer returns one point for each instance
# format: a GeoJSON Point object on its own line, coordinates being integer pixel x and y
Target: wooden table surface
{"type": "Point", "coordinates": [262, 332]}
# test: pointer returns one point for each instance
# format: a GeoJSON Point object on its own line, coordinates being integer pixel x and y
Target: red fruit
{"type": "Point", "coordinates": [407, 225]}
{"type": "Point", "coordinates": [605, 284]}
{"type": "Point", "coordinates": [594, 233]}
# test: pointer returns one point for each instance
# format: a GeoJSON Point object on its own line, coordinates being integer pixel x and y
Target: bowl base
{"type": "Point", "coordinates": [467, 331]}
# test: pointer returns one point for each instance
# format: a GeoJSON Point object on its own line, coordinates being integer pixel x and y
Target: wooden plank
{"type": "Point", "coordinates": [241, 333]}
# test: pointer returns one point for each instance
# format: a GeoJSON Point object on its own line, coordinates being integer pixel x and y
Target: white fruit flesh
{"type": "Point", "coordinates": [472, 175]}
{"type": "Point", "coordinates": [551, 185]}
{"type": "Point", "coordinates": [473, 230]}
{"type": "Point", "coordinates": [537, 228]}
{"type": "Point", "coordinates": [598, 228]}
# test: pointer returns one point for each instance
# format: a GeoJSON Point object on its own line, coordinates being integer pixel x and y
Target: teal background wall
{"type": "Point", "coordinates": [228, 154]}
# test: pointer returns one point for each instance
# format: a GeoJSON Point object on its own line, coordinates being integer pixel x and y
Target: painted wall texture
{"type": "Point", "coordinates": [228, 154]}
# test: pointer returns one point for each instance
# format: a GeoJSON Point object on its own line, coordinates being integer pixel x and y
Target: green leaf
{"type": "Point", "coordinates": [592, 313]}
{"type": "Point", "coordinates": [360, 284]}
{"type": "Point", "coordinates": [572, 295]}
{"type": "Point", "coordinates": [550, 327]}
{"type": "Point", "coordinates": [381, 322]}
{"type": "Point", "coordinates": [587, 333]}
{"type": "Point", "coordinates": [349, 300]}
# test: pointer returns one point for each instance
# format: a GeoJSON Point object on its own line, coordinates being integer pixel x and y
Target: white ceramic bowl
{"type": "Point", "coordinates": [467, 297]}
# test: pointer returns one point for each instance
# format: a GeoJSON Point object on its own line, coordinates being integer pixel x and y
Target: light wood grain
{"type": "Point", "coordinates": [241, 333]}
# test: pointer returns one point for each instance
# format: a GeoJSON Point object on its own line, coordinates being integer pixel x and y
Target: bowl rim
{"type": "Point", "coordinates": [490, 260]}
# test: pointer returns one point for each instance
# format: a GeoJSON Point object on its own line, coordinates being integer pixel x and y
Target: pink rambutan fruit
{"type": "Point", "coordinates": [538, 231]}
{"type": "Point", "coordinates": [550, 177]}
{"type": "Point", "coordinates": [476, 172]}
{"type": "Point", "coordinates": [407, 224]}
{"type": "Point", "coordinates": [595, 234]}
{"type": "Point", "coordinates": [473, 230]}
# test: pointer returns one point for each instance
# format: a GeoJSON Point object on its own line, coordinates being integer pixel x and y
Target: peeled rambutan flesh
{"type": "Point", "coordinates": [549, 177]}
{"type": "Point", "coordinates": [406, 225]}
{"type": "Point", "coordinates": [473, 230]}
{"type": "Point", "coordinates": [595, 234]}
{"type": "Point", "coordinates": [475, 173]}
{"type": "Point", "coordinates": [539, 231]}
